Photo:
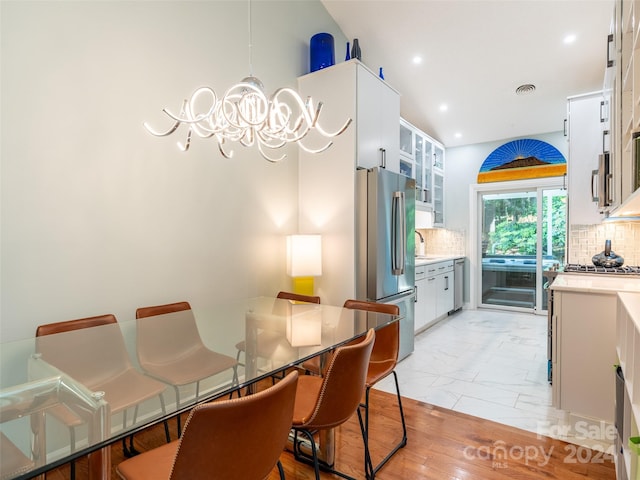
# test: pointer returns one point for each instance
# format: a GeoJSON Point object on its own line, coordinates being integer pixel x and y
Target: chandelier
{"type": "Point", "coordinates": [247, 116]}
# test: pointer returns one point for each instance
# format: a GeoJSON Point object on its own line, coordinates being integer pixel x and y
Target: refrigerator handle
{"type": "Point", "coordinates": [398, 234]}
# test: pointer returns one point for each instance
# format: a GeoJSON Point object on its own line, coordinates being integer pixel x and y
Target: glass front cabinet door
{"type": "Point", "coordinates": [422, 158]}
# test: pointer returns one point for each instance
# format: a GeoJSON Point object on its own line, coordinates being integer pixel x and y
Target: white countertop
{"type": "Point", "coordinates": [631, 302]}
{"type": "Point", "coordinates": [435, 259]}
{"type": "Point", "coordinates": [582, 282]}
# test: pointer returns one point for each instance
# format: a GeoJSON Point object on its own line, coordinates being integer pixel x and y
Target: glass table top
{"type": "Point", "coordinates": [67, 394]}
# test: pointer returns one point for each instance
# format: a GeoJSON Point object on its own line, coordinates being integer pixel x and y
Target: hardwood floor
{"type": "Point", "coordinates": [442, 444]}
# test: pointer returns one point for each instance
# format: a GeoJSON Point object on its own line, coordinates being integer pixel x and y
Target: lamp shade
{"type": "Point", "coordinates": [304, 255]}
{"type": "Point", "coordinates": [304, 326]}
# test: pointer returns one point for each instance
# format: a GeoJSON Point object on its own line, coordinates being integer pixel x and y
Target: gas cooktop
{"type": "Point", "coordinates": [623, 270]}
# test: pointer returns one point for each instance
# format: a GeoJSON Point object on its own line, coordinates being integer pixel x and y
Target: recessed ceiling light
{"type": "Point", "coordinates": [417, 59]}
{"type": "Point", "coordinates": [457, 135]}
{"type": "Point", "coordinates": [525, 89]}
{"type": "Point", "coordinates": [570, 38]}
{"type": "Point", "coordinates": [444, 107]}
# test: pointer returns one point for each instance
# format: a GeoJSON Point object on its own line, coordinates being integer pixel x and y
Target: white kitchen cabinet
{"type": "Point", "coordinates": [444, 288]}
{"type": "Point", "coordinates": [327, 181]}
{"type": "Point", "coordinates": [583, 373]}
{"type": "Point", "coordinates": [622, 97]}
{"type": "Point", "coordinates": [628, 410]}
{"type": "Point", "coordinates": [378, 111]}
{"type": "Point", "coordinates": [583, 352]}
{"type": "Point", "coordinates": [408, 165]}
{"type": "Point", "coordinates": [434, 293]}
{"type": "Point", "coordinates": [425, 312]}
{"type": "Point", "coordinates": [438, 199]}
{"type": "Point", "coordinates": [350, 90]}
{"type": "Point", "coordinates": [426, 165]}
{"type": "Point", "coordinates": [585, 146]}
{"type": "Point", "coordinates": [626, 91]}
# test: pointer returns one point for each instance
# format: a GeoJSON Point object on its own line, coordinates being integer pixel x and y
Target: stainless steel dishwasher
{"type": "Point", "coordinates": [458, 279]}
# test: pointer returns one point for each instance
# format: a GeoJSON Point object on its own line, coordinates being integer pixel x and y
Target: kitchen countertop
{"type": "Point", "coordinates": [429, 259]}
{"type": "Point", "coordinates": [584, 282]}
{"type": "Point", "coordinates": [631, 301]}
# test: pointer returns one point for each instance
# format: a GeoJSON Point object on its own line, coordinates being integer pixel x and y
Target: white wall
{"type": "Point", "coordinates": [99, 216]}
{"type": "Point", "coordinates": [462, 166]}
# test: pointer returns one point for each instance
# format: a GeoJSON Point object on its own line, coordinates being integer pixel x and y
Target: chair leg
{"type": "Point", "coordinates": [176, 388]}
{"type": "Point", "coordinates": [166, 422]}
{"type": "Point", "coordinates": [369, 472]}
{"type": "Point", "coordinates": [129, 451]}
{"type": "Point", "coordinates": [318, 465]}
{"type": "Point", "coordinates": [72, 464]}
{"type": "Point", "coordinates": [281, 470]}
{"type": "Point", "coordinates": [300, 456]}
{"type": "Point", "coordinates": [368, 462]}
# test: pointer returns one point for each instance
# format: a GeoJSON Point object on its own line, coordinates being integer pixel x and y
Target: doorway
{"type": "Point", "coordinates": [521, 233]}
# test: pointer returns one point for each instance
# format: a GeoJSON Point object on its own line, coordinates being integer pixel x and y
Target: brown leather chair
{"type": "Point", "coordinates": [170, 348]}
{"type": "Point", "coordinates": [298, 297]}
{"type": "Point", "coordinates": [241, 438]}
{"type": "Point", "coordinates": [270, 341]}
{"type": "Point", "coordinates": [12, 461]}
{"type": "Point", "coordinates": [329, 401]}
{"type": "Point", "coordinates": [97, 357]}
{"type": "Point", "coordinates": [384, 358]}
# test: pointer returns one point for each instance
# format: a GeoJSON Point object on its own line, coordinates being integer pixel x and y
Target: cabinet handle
{"type": "Point", "coordinates": [604, 115]}
{"type": "Point", "coordinates": [383, 158]}
{"type": "Point", "coordinates": [594, 174]}
{"type": "Point", "coordinates": [446, 282]}
{"type": "Point", "coordinates": [609, 190]}
{"type": "Point", "coordinates": [610, 50]}
{"type": "Point", "coordinates": [605, 143]}
{"type": "Point", "coordinates": [565, 129]}
{"type": "Point", "coordinates": [415, 300]}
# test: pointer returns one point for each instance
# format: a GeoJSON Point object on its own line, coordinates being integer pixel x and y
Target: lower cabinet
{"type": "Point", "coordinates": [444, 288]}
{"type": "Point", "coordinates": [425, 313]}
{"type": "Point", "coordinates": [627, 400]}
{"type": "Point", "coordinates": [434, 293]}
{"type": "Point", "coordinates": [583, 354]}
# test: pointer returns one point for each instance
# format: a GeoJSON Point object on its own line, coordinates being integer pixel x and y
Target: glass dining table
{"type": "Point", "coordinates": [50, 414]}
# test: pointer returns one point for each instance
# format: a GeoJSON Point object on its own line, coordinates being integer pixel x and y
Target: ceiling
{"type": "Point", "coordinates": [475, 53]}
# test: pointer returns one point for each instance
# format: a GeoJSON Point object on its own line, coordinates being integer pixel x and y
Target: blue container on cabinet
{"type": "Point", "coordinates": [322, 52]}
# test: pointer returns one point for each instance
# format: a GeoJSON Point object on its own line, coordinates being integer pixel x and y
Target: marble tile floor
{"type": "Point", "coordinates": [490, 364]}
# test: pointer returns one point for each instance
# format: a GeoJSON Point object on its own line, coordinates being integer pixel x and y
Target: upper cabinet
{"type": "Point", "coordinates": [378, 111]}
{"type": "Point", "coordinates": [591, 186]}
{"type": "Point", "coordinates": [622, 86]}
{"type": "Point", "coordinates": [422, 158]}
{"type": "Point", "coordinates": [351, 90]}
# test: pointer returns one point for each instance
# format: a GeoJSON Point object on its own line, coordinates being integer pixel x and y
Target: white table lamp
{"type": "Point", "coordinates": [304, 261]}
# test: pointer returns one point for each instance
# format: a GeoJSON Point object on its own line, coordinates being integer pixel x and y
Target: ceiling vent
{"type": "Point", "coordinates": [525, 89]}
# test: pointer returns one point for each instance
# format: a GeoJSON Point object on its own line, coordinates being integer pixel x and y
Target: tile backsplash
{"type": "Point", "coordinates": [585, 241]}
{"type": "Point", "coordinates": [440, 241]}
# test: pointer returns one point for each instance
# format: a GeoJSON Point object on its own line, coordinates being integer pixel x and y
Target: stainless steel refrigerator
{"type": "Point", "coordinates": [385, 245]}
